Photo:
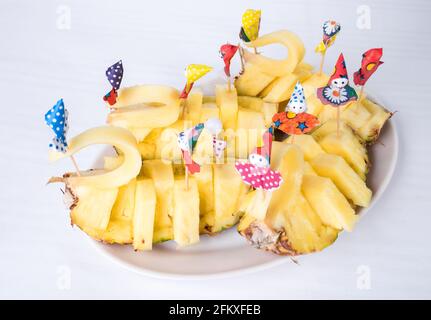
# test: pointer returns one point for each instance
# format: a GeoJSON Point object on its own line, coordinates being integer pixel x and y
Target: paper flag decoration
{"type": "Point", "coordinates": [218, 147]}
{"type": "Point", "coordinates": [257, 172]}
{"type": "Point", "coordinates": [193, 73]}
{"type": "Point", "coordinates": [187, 141]}
{"type": "Point", "coordinates": [330, 31]}
{"type": "Point", "coordinates": [370, 63]}
{"type": "Point", "coordinates": [114, 74]}
{"type": "Point", "coordinates": [295, 119]}
{"type": "Point", "coordinates": [250, 25]}
{"type": "Point", "coordinates": [57, 119]}
{"type": "Point", "coordinates": [337, 92]}
{"type": "Point", "coordinates": [227, 51]}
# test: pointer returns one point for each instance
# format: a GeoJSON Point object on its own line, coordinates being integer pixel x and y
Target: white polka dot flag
{"type": "Point", "coordinates": [114, 74]}
{"type": "Point", "coordinates": [57, 119]}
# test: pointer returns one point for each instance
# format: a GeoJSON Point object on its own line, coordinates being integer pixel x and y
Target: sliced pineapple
{"type": "Point", "coordinates": [291, 226]}
{"type": "Point", "coordinates": [209, 110]}
{"type": "Point", "coordinates": [308, 145]}
{"type": "Point", "coordinates": [204, 180]}
{"type": "Point", "coordinates": [228, 190]}
{"type": "Point", "coordinates": [370, 130]}
{"type": "Point", "coordinates": [313, 83]}
{"type": "Point", "coordinates": [281, 89]}
{"type": "Point", "coordinates": [252, 81]}
{"type": "Point", "coordinates": [186, 212]}
{"type": "Point", "coordinates": [92, 194]}
{"type": "Point", "coordinates": [314, 105]}
{"type": "Point", "coordinates": [253, 103]}
{"type": "Point", "coordinates": [250, 127]}
{"type": "Point", "coordinates": [328, 202]}
{"type": "Point", "coordinates": [193, 106]}
{"type": "Point", "coordinates": [344, 177]}
{"type": "Point", "coordinates": [227, 101]}
{"type": "Point", "coordinates": [349, 148]}
{"type": "Point", "coordinates": [163, 178]}
{"type": "Point", "coordinates": [144, 213]}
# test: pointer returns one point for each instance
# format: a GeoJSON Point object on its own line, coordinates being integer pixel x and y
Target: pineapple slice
{"type": "Point", "coordinates": [308, 145]}
{"type": "Point", "coordinates": [252, 81]}
{"type": "Point", "coordinates": [144, 213]}
{"type": "Point", "coordinates": [315, 81]}
{"type": "Point", "coordinates": [347, 146]}
{"type": "Point", "coordinates": [147, 150]}
{"type": "Point", "coordinates": [277, 68]}
{"type": "Point", "coordinates": [303, 71]}
{"type": "Point", "coordinates": [209, 110]}
{"type": "Point", "coordinates": [250, 127]}
{"type": "Point", "coordinates": [228, 189]}
{"type": "Point", "coordinates": [227, 101]}
{"type": "Point", "coordinates": [281, 88]}
{"type": "Point", "coordinates": [370, 130]}
{"type": "Point", "coordinates": [154, 107]}
{"type": "Point", "coordinates": [208, 99]}
{"type": "Point", "coordinates": [353, 114]}
{"type": "Point", "coordinates": [329, 127]}
{"type": "Point", "coordinates": [346, 180]}
{"type": "Point", "coordinates": [314, 105]}
{"type": "Point", "coordinates": [152, 95]}
{"type": "Point", "coordinates": [268, 111]}
{"type": "Point", "coordinates": [167, 144]}
{"type": "Point", "coordinates": [163, 179]}
{"type": "Point", "coordinates": [328, 202]}
{"type": "Point", "coordinates": [253, 103]}
{"type": "Point", "coordinates": [186, 212]}
{"type": "Point", "coordinates": [204, 180]}
{"type": "Point", "coordinates": [193, 106]}
{"type": "Point", "coordinates": [119, 229]}
{"type": "Point", "coordinates": [291, 169]}
{"type": "Point", "coordinates": [112, 163]}
{"type": "Point", "coordinates": [91, 195]}
{"type": "Point", "coordinates": [203, 153]}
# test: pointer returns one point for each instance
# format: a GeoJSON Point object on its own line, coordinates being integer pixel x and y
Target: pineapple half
{"type": "Point", "coordinates": [291, 226]}
{"type": "Point", "coordinates": [91, 195]}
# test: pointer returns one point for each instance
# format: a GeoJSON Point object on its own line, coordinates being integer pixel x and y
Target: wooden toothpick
{"type": "Point", "coordinates": [321, 63]}
{"type": "Point", "coordinates": [75, 164]}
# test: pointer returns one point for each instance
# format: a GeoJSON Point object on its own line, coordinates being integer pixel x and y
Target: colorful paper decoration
{"type": "Point", "coordinates": [114, 74]}
{"type": "Point", "coordinates": [250, 25]}
{"type": "Point", "coordinates": [337, 92]}
{"type": "Point", "coordinates": [370, 63]}
{"type": "Point", "coordinates": [214, 126]}
{"type": "Point", "coordinates": [193, 73]}
{"type": "Point", "coordinates": [256, 171]}
{"type": "Point", "coordinates": [227, 52]}
{"type": "Point", "coordinates": [330, 31]}
{"type": "Point", "coordinates": [187, 141]}
{"type": "Point", "coordinates": [57, 119]}
{"type": "Point", "coordinates": [295, 119]}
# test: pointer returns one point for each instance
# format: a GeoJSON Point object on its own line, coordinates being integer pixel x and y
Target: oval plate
{"type": "Point", "coordinates": [228, 254]}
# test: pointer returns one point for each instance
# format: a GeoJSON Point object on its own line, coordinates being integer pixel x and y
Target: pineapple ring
{"type": "Point", "coordinates": [274, 67]}
{"type": "Point", "coordinates": [146, 106]}
{"type": "Point", "coordinates": [122, 140]}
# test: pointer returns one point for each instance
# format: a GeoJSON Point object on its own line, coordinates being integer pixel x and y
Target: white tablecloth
{"type": "Point", "coordinates": [55, 49]}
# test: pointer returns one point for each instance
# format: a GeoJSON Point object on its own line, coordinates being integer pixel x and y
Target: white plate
{"type": "Point", "coordinates": [228, 254]}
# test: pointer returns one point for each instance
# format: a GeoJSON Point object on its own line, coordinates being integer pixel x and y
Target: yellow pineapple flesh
{"type": "Point", "coordinates": [344, 177]}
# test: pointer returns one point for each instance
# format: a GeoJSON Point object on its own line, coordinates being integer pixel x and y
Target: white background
{"type": "Point", "coordinates": [41, 62]}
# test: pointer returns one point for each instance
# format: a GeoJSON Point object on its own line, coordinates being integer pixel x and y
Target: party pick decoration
{"type": "Point", "coordinates": [214, 126]}
{"type": "Point", "coordinates": [193, 73]}
{"type": "Point", "coordinates": [337, 92]}
{"type": "Point", "coordinates": [187, 140]}
{"type": "Point", "coordinates": [57, 118]}
{"type": "Point", "coordinates": [250, 25]}
{"type": "Point", "coordinates": [257, 173]}
{"type": "Point", "coordinates": [370, 63]}
{"type": "Point", "coordinates": [227, 52]}
{"type": "Point", "coordinates": [330, 31]}
{"type": "Point", "coordinates": [114, 74]}
{"type": "Point", "coordinates": [295, 120]}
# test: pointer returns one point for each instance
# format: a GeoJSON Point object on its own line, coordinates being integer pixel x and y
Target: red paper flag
{"type": "Point", "coordinates": [227, 51]}
{"type": "Point", "coordinates": [370, 63]}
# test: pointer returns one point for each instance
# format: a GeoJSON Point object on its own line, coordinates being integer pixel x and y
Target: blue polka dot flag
{"type": "Point", "coordinates": [57, 119]}
{"type": "Point", "coordinates": [114, 74]}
